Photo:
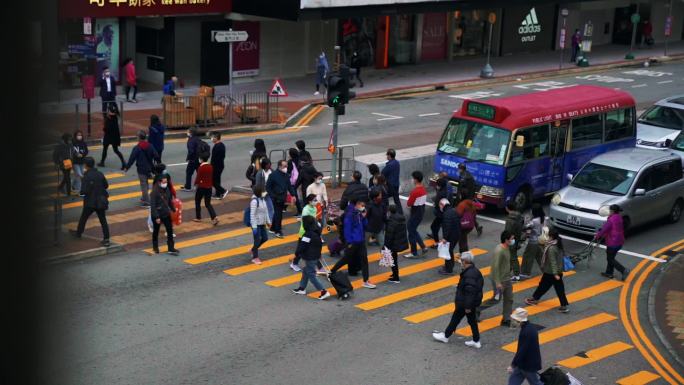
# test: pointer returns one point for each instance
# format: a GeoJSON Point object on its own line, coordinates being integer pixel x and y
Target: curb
{"type": "Point", "coordinates": [300, 113]}
{"type": "Point", "coordinates": [651, 310]}
{"type": "Point", "coordinates": [82, 255]}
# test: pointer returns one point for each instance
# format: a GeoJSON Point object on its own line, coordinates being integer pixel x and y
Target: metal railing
{"type": "Point", "coordinates": [322, 160]}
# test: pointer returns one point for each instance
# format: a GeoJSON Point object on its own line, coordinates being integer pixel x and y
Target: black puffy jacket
{"type": "Point", "coordinates": [310, 245]}
{"type": "Point", "coordinates": [354, 191]}
{"type": "Point", "coordinates": [469, 289]}
{"type": "Point", "coordinates": [451, 224]}
{"type": "Point", "coordinates": [396, 236]}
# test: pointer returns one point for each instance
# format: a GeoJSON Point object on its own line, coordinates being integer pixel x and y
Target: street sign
{"type": "Point", "coordinates": [228, 36]}
{"type": "Point", "coordinates": [668, 26]}
{"type": "Point", "coordinates": [565, 12]}
{"type": "Point", "coordinates": [491, 18]}
{"type": "Point", "coordinates": [588, 29]}
{"type": "Point", "coordinates": [277, 89]}
{"type": "Point", "coordinates": [562, 38]}
{"type": "Point", "coordinates": [87, 26]}
{"type": "Point", "coordinates": [635, 18]}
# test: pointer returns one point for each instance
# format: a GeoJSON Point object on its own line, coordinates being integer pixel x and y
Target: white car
{"type": "Point", "coordinates": [677, 146]}
{"type": "Point", "coordinates": [658, 126]}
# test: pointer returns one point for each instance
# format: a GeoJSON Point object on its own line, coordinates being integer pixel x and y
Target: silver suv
{"type": "Point", "coordinates": [646, 184]}
{"type": "Point", "coordinates": [661, 123]}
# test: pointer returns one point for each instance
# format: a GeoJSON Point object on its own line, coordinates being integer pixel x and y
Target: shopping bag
{"type": "Point", "coordinates": [177, 216]}
{"type": "Point", "coordinates": [567, 263]}
{"type": "Point", "coordinates": [68, 164]}
{"type": "Point", "coordinates": [289, 199]}
{"type": "Point", "coordinates": [386, 259]}
{"type": "Point", "coordinates": [443, 251]}
{"type": "Point", "coordinates": [319, 211]}
{"type": "Point", "coordinates": [573, 380]}
{"type": "Point", "coordinates": [150, 224]}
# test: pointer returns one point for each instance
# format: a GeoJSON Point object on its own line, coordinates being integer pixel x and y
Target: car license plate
{"type": "Point", "coordinates": [573, 220]}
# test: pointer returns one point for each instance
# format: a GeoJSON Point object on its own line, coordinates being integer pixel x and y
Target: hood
{"type": "Point", "coordinates": [144, 145]}
{"type": "Point", "coordinates": [585, 199]}
{"type": "Point", "coordinates": [259, 146]}
{"type": "Point", "coordinates": [654, 134]}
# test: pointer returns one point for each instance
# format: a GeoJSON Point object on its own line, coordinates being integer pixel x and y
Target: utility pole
{"type": "Point", "coordinates": [333, 167]}
{"type": "Point", "coordinates": [668, 25]}
{"type": "Point", "coordinates": [230, 68]}
{"type": "Point", "coordinates": [487, 71]}
{"type": "Point", "coordinates": [635, 18]}
{"type": "Point", "coordinates": [564, 13]}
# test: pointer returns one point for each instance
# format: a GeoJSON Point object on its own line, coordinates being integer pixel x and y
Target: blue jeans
{"type": "Point", "coordinates": [413, 235]}
{"type": "Point", "coordinates": [269, 207]}
{"type": "Point", "coordinates": [309, 274]}
{"type": "Point", "coordinates": [260, 237]}
{"type": "Point", "coordinates": [78, 175]}
{"type": "Point", "coordinates": [519, 375]}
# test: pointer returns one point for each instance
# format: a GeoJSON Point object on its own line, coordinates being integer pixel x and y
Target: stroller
{"type": "Point", "coordinates": [333, 214]}
{"type": "Point", "coordinates": [585, 254]}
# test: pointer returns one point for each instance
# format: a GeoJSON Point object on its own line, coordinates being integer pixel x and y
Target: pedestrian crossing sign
{"type": "Point", "coordinates": [277, 89]}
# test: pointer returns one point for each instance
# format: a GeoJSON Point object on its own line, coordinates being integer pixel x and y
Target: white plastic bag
{"type": "Point", "coordinates": [386, 259]}
{"type": "Point", "coordinates": [443, 251]}
{"type": "Point", "coordinates": [150, 225]}
{"type": "Point", "coordinates": [573, 380]}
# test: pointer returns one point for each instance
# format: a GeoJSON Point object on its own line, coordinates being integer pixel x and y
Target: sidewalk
{"type": "Point", "coordinates": [667, 302]}
{"type": "Point", "coordinates": [377, 82]}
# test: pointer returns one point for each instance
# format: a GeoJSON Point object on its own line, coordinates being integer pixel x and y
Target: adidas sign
{"type": "Point", "coordinates": [530, 25]}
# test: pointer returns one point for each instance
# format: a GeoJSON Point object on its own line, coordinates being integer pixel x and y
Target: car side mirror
{"type": "Point", "coordinates": [569, 176]}
{"type": "Point", "coordinates": [639, 192]}
{"type": "Point", "coordinates": [668, 143]}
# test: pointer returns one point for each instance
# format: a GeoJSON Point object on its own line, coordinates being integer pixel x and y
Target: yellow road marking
{"type": "Point", "coordinates": [265, 264]}
{"type": "Point", "coordinates": [596, 354]}
{"type": "Point", "coordinates": [415, 291]}
{"type": "Point", "coordinates": [115, 186]}
{"type": "Point", "coordinates": [112, 198]}
{"type": "Point", "coordinates": [567, 329]}
{"type": "Point", "coordinates": [639, 378]}
{"type": "Point", "coordinates": [216, 237]}
{"type": "Point", "coordinates": [108, 176]}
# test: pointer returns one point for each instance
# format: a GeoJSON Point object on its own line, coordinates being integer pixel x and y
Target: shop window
{"type": "Point", "coordinates": [619, 125]}
{"type": "Point", "coordinates": [587, 131]}
{"type": "Point", "coordinates": [536, 144]}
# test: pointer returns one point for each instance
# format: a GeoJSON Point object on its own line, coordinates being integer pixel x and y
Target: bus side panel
{"type": "Point", "coordinates": [484, 173]}
{"type": "Point", "coordinates": [534, 173]}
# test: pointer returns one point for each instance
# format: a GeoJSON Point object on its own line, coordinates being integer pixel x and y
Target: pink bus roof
{"type": "Point", "coordinates": [546, 106]}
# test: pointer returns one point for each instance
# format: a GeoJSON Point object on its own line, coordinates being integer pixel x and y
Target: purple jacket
{"type": "Point", "coordinates": [613, 231]}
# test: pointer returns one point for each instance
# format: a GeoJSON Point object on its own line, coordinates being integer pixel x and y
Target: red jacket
{"type": "Point", "coordinates": [129, 70]}
{"type": "Point", "coordinates": [205, 176]}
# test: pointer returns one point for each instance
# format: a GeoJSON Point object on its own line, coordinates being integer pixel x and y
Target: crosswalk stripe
{"type": "Point", "coordinates": [550, 335]}
{"type": "Point", "coordinates": [418, 290]}
{"type": "Point", "coordinates": [114, 186]}
{"type": "Point", "coordinates": [217, 237]}
{"type": "Point", "coordinates": [596, 354]}
{"type": "Point", "coordinates": [244, 269]}
{"type": "Point", "coordinates": [448, 308]}
{"type": "Point", "coordinates": [384, 276]}
{"type": "Point", "coordinates": [552, 303]}
{"type": "Point", "coordinates": [639, 378]}
{"type": "Point", "coordinates": [108, 176]}
{"type": "Point", "coordinates": [112, 198]}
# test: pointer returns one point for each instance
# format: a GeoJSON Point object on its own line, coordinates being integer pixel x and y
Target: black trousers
{"type": "Point", "coordinates": [463, 240]}
{"type": "Point", "coordinates": [203, 193]}
{"type": "Point", "coordinates": [449, 265]}
{"type": "Point", "coordinates": [115, 148]}
{"type": "Point", "coordinates": [217, 181]}
{"type": "Point", "coordinates": [106, 103]}
{"type": "Point", "coordinates": [354, 253]}
{"type": "Point", "coordinates": [169, 232]}
{"type": "Point", "coordinates": [85, 214]}
{"type": "Point", "coordinates": [548, 280]}
{"type": "Point", "coordinates": [395, 268]}
{"type": "Point", "coordinates": [128, 91]}
{"type": "Point", "coordinates": [277, 222]}
{"type": "Point", "coordinates": [613, 264]}
{"type": "Point", "coordinates": [189, 170]}
{"type": "Point", "coordinates": [394, 193]}
{"type": "Point", "coordinates": [456, 318]}
{"type": "Point", "coordinates": [434, 228]}
{"type": "Point", "coordinates": [65, 183]}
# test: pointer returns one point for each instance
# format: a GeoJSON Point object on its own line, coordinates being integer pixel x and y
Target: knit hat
{"type": "Point", "coordinates": [519, 315]}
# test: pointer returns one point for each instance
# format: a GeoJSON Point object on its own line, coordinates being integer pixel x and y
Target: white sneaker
{"type": "Point", "coordinates": [409, 256]}
{"type": "Point", "coordinates": [299, 291]}
{"type": "Point", "coordinates": [296, 268]}
{"type": "Point", "coordinates": [369, 285]}
{"type": "Point", "coordinates": [325, 295]}
{"type": "Point", "coordinates": [515, 278]}
{"type": "Point", "coordinates": [473, 344]}
{"type": "Point", "coordinates": [322, 272]}
{"type": "Point", "coordinates": [317, 93]}
{"type": "Point", "coordinates": [439, 336]}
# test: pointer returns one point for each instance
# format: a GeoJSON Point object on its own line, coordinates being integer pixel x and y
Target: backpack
{"type": "Point", "coordinates": [554, 376]}
{"type": "Point", "coordinates": [203, 148]}
{"type": "Point", "coordinates": [468, 220]}
{"type": "Point", "coordinates": [247, 214]}
{"type": "Point", "coordinates": [294, 175]}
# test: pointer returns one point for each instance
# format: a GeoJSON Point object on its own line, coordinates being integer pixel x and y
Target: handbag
{"type": "Point", "coordinates": [386, 259]}
{"type": "Point", "coordinates": [68, 164]}
{"type": "Point", "coordinates": [177, 216]}
{"type": "Point", "coordinates": [443, 251]}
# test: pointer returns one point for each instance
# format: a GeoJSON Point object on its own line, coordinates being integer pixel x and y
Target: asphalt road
{"type": "Point", "coordinates": [133, 318]}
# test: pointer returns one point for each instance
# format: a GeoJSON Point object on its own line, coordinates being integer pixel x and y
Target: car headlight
{"type": "Point", "coordinates": [639, 141]}
{"type": "Point", "coordinates": [604, 211]}
{"type": "Point", "coordinates": [556, 200]}
{"type": "Point", "coordinates": [491, 191]}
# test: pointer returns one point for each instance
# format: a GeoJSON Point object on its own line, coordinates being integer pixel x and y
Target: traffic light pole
{"type": "Point", "coordinates": [333, 167]}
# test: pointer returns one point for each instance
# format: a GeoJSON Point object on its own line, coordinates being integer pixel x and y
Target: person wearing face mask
{"type": "Point", "coordinates": [552, 269]}
{"type": "Point", "coordinates": [501, 274]}
{"type": "Point", "coordinates": [161, 206]}
{"type": "Point", "coordinates": [143, 155]}
{"type": "Point", "coordinates": [80, 152]}
{"type": "Point", "coordinates": [441, 192]}
{"type": "Point", "coordinates": [355, 224]}
{"type": "Point", "coordinates": [416, 203]}
{"type": "Point", "coordinates": [293, 172]}
{"type": "Point", "coordinates": [107, 90]}
{"type": "Point", "coordinates": [451, 231]}
{"type": "Point", "coordinates": [112, 135]}
{"type": "Point", "coordinates": [204, 182]}
{"type": "Point", "coordinates": [278, 186]}
{"type": "Point", "coordinates": [514, 224]}
{"type": "Point", "coordinates": [322, 69]}
{"type": "Point", "coordinates": [318, 188]}
{"type": "Point", "coordinates": [309, 248]}
{"type": "Point", "coordinates": [95, 200]}
{"type": "Point", "coordinates": [308, 211]}
{"type": "Point", "coordinates": [391, 172]}
{"type": "Point", "coordinates": [62, 156]}
{"type": "Point", "coordinates": [218, 157]}
{"type": "Point", "coordinates": [377, 216]}
{"type": "Point", "coordinates": [193, 146]}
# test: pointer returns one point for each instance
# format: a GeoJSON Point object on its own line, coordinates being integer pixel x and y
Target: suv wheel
{"type": "Point", "coordinates": [676, 212]}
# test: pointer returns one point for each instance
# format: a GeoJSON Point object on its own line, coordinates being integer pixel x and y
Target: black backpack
{"type": "Point", "coordinates": [554, 376]}
{"type": "Point", "coordinates": [203, 149]}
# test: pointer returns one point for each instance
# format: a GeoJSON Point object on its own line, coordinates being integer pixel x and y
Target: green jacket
{"type": "Point", "coordinates": [552, 260]}
{"type": "Point", "coordinates": [501, 265]}
{"type": "Point", "coordinates": [307, 210]}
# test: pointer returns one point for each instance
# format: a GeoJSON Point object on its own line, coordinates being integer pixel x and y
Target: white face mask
{"type": "Point", "coordinates": [79, 138]}
{"type": "Point", "coordinates": [284, 169]}
{"type": "Point", "coordinates": [319, 181]}
{"type": "Point", "coordinates": [163, 185]}
{"type": "Point", "coordinates": [511, 242]}
{"type": "Point", "coordinates": [362, 209]}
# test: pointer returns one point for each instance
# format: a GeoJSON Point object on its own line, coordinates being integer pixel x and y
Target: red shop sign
{"type": "Point", "coordinates": [246, 53]}
{"type": "Point", "coordinates": [121, 8]}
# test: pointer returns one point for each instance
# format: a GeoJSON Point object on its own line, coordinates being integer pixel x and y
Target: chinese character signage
{"type": "Point", "coordinates": [246, 53]}
{"type": "Point", "coordinates": [121, 8]}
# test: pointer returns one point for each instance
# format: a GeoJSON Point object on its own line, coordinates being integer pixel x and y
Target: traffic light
{"type": "Point", "coordinates": [347, 74]}
{"type": "Point", "coordinates": [334, 90]}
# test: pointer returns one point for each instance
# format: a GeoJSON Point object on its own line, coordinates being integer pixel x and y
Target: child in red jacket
{"type": "Point", "coordinates": [204, 183]}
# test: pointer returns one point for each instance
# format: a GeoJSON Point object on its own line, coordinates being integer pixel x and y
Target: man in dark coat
{"type": "Point", "coordinates": [376, 218]}
{"type": "Point", "coordinates": [192, 157]}
{"type": "Point", "coordinates": [451, 232]}
{"type": "Point", "coordinates": [277, 186]}
{"type": "Point", "coordinates": [218, 157]}
{"type": "Point", "coordinates": [355, 191]}
{"type": "Point", "coordinates": [307, 175]}
{"type": "Point", "coordinates": [107, 89]}
{"type": "Point", "coordinates": [527, 360]}
{"type": "Point", "coordinates": [466, 182]}
{"type": "Point", "coordinates": [441, 192]}
{"type": "Point", "coordinates": [396, 239]}
{"type": "Point", "coordinates": [468, 298]}
{"type": "Point", "coordinates": [143, 155]}
{"type": "Point", "coordinates": [95, 199]}
{"type": "Point", "coordinates": [391, 172]}
{"type": "Point", "coordinates": [63, 151]}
